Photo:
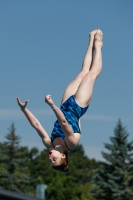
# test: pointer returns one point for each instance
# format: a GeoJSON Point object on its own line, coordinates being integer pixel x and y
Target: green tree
{"type": "Point", "coordinates": [63, 188]}
{"type": "Point", "coordinates": [75, 185]}
{"type": "Point", "coordinates": [13, 173]}
{"type": "Point", "coordinates": [114, 179]}
{"type": "Point", "coordinates": [81, 166]}
{"type": "Point", "coordinates": [22, 170]}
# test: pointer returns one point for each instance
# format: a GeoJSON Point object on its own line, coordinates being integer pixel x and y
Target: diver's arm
{"type": "Point", "coordinates": [35, 123]}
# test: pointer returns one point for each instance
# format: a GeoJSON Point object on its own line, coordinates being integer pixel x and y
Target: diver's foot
{"type": "Point", "coordinates": [91, 37]}
{"type": "Point", "coordinates": [98, 39]}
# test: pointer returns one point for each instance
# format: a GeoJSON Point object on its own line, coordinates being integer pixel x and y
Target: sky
{"type": "Point", "coordinates": [42, 46]}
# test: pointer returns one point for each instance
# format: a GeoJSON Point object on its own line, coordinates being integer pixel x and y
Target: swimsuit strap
{"type": "Point", "coordinates": [66, 145]}
{"type": "Point", "coordinates": [52, 143]}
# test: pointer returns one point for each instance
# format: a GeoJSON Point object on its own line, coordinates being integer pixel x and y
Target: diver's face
{"type": "Point", "coordinates": [55, 157]}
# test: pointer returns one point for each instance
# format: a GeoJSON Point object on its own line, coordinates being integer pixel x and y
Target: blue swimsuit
{"type": "Point", "coordinates": [72, 112]}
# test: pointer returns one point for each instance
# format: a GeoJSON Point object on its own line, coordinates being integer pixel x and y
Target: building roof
{"type": "Point", "coordinates": [11, 195]}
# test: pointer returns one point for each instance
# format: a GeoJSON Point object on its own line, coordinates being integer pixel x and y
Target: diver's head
{"type": "Point", "coordinates": [58, 160]}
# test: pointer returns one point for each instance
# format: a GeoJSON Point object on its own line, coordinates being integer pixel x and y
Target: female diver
{"type": "Point", "coordinates": [76, 99]}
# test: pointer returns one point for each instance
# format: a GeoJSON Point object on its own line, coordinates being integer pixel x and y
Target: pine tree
{"type": "Point", "coordinates": [13, 173]}
{"type": "Point", "coordinates": [114, 179]}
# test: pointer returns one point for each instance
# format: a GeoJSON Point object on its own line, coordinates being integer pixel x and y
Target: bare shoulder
{"type": "Point", "coordinates": [47, 142]}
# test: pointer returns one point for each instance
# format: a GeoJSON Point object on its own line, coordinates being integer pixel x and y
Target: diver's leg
{"type": "Point", "coordinates": [73, 86]}
{"type": "Point", "coordinates": [84, 92]}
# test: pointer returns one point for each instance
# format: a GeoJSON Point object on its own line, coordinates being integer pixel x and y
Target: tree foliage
{"type": "Point", "coordinates": [114, 178]}
{"type": "Point", "coordinates": [14, 174]}
{"type": "Point", "coordinates": [22, 170]}
{"type": "Point", "coordinates": [65, 186]}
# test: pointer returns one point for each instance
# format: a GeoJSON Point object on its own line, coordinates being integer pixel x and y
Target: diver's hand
{"type": "Point", "coordinates": [49, 100]}
{"type": "Point", "coordinates": [22, 105]}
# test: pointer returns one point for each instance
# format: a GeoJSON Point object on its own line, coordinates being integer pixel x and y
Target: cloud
{"type": "Point", "coordinates": [17, 114]}
{"type": "Point", "coordinates": [43, 112]}
{"type": "Point", "coordinates": [101, 117]}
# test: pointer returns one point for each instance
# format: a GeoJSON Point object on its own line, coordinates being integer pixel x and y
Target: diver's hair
{"type": "Point", "coordinates": [63, 166]}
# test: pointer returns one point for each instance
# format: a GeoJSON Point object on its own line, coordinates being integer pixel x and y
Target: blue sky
{"type": "Point", "coordinates": [42, 46]}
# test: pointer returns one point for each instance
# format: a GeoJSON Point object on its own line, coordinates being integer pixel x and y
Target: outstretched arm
{"type": "Point", "coordinates": [35, 123]}
{"type": "Point", "coordinates": [62, 120]}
